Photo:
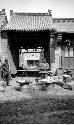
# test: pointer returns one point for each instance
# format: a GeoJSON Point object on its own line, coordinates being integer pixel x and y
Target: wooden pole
{"type": "Point", "coordinates": [69, 57]}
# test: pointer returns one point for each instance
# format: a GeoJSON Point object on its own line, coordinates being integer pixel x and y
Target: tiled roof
{"type": "Point", "coordinates": [64, 24]}
{"type": "Point", "coordinates": [39, 21]}
{"type": "Point", "coordinates": [29, 21]}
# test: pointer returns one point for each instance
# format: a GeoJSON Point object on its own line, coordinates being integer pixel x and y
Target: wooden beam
{"type": "Point", "coordinates": [52, 47]}
{"type": "Point", "coordinates": [73, 57]}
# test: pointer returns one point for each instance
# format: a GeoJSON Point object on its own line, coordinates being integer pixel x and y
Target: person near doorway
{"type": "Point", "coordinates": [5, 68]}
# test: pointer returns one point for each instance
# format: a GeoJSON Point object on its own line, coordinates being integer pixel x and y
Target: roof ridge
{"type": "Point", "coordinates": [30, 14]}
{"type": "Point", "coordinates": [62, 18]}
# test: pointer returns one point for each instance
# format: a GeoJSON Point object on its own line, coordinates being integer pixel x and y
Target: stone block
{"type": "Point", "coordinates": [57, 86]}
{"type": "Point", "coordinates": [2, 83]}
{"type": "Point", "coordinates": [2, 88]}
{"type": "Point", "coordinates": [59, 72]}
{"type": "Point", "coordinates": [67, 78]}
{"type": "Point", "coordinates": [50, 87]}
{"type": "Point", "coordinates": [58, 78]}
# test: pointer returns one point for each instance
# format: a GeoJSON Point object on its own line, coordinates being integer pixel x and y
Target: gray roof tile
{"type": "Point", "coordinates": [29, 22]}
{"type": "Point", "coordinates": [64, 24]}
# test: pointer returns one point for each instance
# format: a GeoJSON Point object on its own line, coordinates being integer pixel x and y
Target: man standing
{"type": "Point", "coordinates": [5, 68]}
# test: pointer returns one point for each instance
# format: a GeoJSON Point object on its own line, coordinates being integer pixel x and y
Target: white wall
{"type": "Point", "coordinates": [28, 56]}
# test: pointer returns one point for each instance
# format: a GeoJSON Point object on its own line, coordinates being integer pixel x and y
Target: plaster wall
{"type": "Point", "coordinates": [57, 63]}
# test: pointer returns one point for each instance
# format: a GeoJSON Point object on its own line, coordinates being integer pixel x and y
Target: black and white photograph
{"type": "Point", "coordinates": [36, 61]}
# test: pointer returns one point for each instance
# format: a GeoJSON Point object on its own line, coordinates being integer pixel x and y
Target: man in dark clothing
{"type": "Point", "coordinates": [5, 68]}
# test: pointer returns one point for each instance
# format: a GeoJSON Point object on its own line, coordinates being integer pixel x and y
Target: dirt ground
{"type": "Point", "coordinates": [11, 92]}
{"type": "Point", "coordinates": [55, 105]}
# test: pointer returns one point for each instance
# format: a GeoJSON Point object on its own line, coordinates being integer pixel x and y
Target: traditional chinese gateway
{"type": "Point", "coordinates": [30, 38]}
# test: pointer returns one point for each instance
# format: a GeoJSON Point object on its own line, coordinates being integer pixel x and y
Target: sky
{"type": "Point", "coordinates": [60, 8]}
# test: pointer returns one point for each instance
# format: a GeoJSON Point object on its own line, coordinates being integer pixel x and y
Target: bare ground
{"type": "Point", "coordinates": [11, 92]}
{"type": "Point", "coordinates": [55, 105]}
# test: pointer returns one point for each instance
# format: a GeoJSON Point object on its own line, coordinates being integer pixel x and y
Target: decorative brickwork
{"type": "Point", "coordinates": [4, 44]}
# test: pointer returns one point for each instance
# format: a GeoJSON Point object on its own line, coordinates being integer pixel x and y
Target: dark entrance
{"type": "Point", "coordinates": [28, 39]}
